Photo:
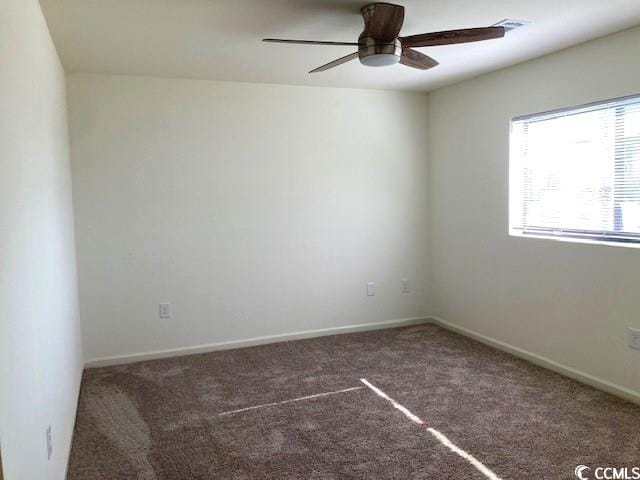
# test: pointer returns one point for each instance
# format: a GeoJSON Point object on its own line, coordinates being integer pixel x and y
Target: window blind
{"type": "Point", "coordinates": [576, 172]}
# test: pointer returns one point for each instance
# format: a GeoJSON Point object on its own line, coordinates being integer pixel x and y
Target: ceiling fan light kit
{"type": "Point", "coordinates": [376, 54]}
{"type": "Point", "coordinates": [379, 44]}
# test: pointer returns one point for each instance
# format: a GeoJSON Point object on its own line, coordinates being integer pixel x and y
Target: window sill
{"type": "Point", "coordinates": [569, 239]}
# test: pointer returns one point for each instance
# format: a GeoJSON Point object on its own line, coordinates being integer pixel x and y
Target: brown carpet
{"type": "Point", "coordinates": [161, 419]}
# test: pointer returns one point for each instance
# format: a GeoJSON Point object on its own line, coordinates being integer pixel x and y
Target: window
{"type": "Point", "coordinates": [575, 173]}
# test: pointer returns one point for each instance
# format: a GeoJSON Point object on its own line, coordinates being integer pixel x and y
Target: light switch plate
{"type": "Point", "coordinates": [634, 338]}
{"type": "Point", "coordinates": [49, 443]}
{"type": "Point", "coordinates": [165, 310]}
{"type": "Point", "coordinates": [371, 289]}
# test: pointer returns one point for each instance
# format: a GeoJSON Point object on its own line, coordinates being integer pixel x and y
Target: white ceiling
{"type": "Point", "coordinates": [220, 39]}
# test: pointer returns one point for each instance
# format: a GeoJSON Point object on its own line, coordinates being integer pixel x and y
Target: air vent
{"type": "Point", "coordinates": [510, 24]}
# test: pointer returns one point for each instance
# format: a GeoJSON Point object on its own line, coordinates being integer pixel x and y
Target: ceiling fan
{"type": "Point", "coordinates": [379, 44]}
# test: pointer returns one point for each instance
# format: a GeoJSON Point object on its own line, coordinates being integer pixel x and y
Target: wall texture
{"type": "Point", "coordinates": [571, 303]}
{"type": "Point", "coordinates": [255, 210]}
{"type": "Point", "coordinates": [40, 354]}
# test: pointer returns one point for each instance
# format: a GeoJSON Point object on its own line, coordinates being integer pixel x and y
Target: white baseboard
{"type": "Point", "coordinates": [250, 342]}
{"type": "Point", "coordinates": [582, 377]}
{"type": "Point", "coordinates": [73, 427]}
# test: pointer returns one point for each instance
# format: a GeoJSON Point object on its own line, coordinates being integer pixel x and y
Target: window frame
{"type": "Point", "coordinates": [623, 239]}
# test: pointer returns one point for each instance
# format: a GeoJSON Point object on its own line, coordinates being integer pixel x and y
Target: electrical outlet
{"type": "Point", "coordinates": [165, 310]}
{"type": "Point", "coordinates": [49, 444]}
{"type": "Point", "coordinates": [404, 285]}
{"type": "Point", "coordinates": [634, 338]}
{"type": "Point", "coordinates": [371, 289]}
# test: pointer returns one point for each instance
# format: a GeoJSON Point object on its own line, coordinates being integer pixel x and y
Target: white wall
{"type": "Point", "coordinates": [40, 355]}
{"type": "Point", "coordinates": [571, 303]}
{"type": "Point", "coordinates": [255, 210]}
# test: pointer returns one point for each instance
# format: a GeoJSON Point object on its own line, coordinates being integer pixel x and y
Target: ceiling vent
{"type": "Point", "coordinates": [510, 24]}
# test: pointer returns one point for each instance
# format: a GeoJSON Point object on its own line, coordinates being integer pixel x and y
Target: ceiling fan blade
{"type": "Point", "coordinates": [335, 63]}
{"type": "Point", "coordinates": [449, 37]}
{"type": "Point", "coordinates": [382, 21]}
{"type": "Point", "coordinates": [307, 42]}
{"type": "Point", "coordinates": [415, 59]}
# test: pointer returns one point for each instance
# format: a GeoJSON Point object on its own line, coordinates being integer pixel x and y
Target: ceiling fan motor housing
{"type": "Point", "coordinates": [372, 51]}
{"type": "Point", "coordinates": [375, 53]}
